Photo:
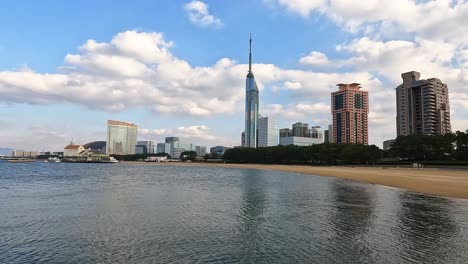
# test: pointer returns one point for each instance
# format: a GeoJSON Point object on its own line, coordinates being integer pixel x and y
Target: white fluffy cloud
{"type": "Point", "coordinates": [198, 14]}
{"type": "Point", "coordinates": [315, 58]}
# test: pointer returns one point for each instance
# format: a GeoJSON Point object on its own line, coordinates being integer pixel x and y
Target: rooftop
{"type": "Point", "coordinates": [73, 146]}
{"type": "Point", "coordinates": [120, 123]}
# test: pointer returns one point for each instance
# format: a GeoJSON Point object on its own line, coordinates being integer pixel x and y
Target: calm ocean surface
{"type": "Point", "coordinates": [139, 213]}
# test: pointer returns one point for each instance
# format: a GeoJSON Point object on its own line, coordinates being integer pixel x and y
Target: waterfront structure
{"type": "Point", "coordinates": [73, 150]}
{"type": "Point", "coordinates": [121, 137]}
{"type": "Point", "coordinates": [299, 141]}
{"type": "Point", "coordinates": [299, 129]}
{"type": "Point", "coordinates": [218, 150]}
{"type": "Point", "coordinates": [251, 106]}
{"type": "Point", "coordinates": [422, 106]}
{"type": "Point", "coordinates": [201, 151]}
{"type": "Point", "coordinates": [144, 147]}
{"type": "Point", "coordinates": [171, 139]}
{"type": "Point", "coordinates": [178, 147]}
{"type": "Point", "coordinates": [350, 109]}
{"type": "Point", "coordinates": [387, 144]}
{"type": "Point", "coordinates": [267, 132]}
{"type": "Point", "coordinates": [163, 148]}
{"type": "Point", "coordinates": [22, 153]}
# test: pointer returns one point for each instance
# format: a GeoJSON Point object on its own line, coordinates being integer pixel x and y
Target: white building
{"type": "Point", "coordinates": [121, 138]}
{"type": "Point", "coordinates": [22, 153]}
{"type": "Point", "coordinates": [267, 132]}
{"type": "Point", "coordinates": [73, 150]}
{"type": "Point", "coordinates": [201, 151]}
{"type": "Point", "coordinates": [299, 141]}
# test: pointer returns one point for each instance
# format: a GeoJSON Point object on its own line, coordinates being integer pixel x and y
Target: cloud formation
{"type": "Point", "coordinates": [198, 14]}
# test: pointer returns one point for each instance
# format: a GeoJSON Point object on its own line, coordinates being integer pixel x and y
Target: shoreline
{"type": "Point", "coordinates": [433, 181]}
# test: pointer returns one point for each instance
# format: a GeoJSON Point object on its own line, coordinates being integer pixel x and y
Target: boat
{"type": "Point", "coordinates": [21, 160]}
{"type": "Point", "coordinates": [110, 160]}
{"type": "Point", "coordinates": [53, 160]}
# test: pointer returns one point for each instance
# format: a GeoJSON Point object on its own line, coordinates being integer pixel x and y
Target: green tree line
{"type": "Point", "coordinates": [449, 147]}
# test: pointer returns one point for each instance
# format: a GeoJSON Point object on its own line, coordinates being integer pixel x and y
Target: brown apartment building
{"type": "Point", "coordinates": [350, 109]}
{"type": "Point", "coordinates": [422, 106]}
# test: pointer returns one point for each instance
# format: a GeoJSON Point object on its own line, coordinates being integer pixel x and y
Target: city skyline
{"type": "Point", "coordinates": [178, 68]}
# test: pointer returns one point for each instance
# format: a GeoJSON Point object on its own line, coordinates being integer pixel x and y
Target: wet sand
{"type": "Point", "coordinates": [442, 182]}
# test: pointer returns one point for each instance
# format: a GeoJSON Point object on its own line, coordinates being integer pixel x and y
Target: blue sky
{"type": "Point", "coordinates": [66, 67]}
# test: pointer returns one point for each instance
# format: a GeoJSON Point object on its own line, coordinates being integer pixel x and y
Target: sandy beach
{"type": "Point", "coordinates": [442, 182]}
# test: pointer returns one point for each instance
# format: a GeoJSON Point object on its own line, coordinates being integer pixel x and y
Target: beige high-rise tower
{"type": "Point", "coordinates": [422, 106]}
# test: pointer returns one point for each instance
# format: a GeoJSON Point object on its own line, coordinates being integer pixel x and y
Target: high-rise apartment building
{"type": "Point", "coordinates": [267, 132]}
{"type": "Point", "coordinates": [285, 132]}
{"type": "Point", "coordinates": [300, 129]}
{"type": "Point", "coordinates": [251, 106]}
{"type": "Point", "coordinates": [350, 109]}
{"type": "Point", "coordinates": [121, 138]}
{"type": "Point", "coordinates": [422, 106]}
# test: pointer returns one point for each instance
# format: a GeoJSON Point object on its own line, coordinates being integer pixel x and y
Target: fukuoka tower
{"type": "Point", "coordinates": [251, 106]}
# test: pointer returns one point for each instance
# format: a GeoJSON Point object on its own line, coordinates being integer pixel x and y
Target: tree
{"type": "Point", "coordinates": [188, 155]}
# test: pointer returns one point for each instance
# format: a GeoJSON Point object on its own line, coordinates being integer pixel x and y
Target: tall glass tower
{"type": "Point", "coordinates": [251, 106]}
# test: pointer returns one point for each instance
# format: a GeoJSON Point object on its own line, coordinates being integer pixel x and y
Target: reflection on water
{"type": "Point", "coordinates": [93, 213]}
{"type": "Point", "coordinates": [352, 219]}
{"type": "Point", "coordinates": [429, 229]}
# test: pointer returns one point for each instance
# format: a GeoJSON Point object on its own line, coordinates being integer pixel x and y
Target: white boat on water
{"type": "Point", "coordinates": [53, 160]}
{"type": "Point", "coordinates": [110, 160]}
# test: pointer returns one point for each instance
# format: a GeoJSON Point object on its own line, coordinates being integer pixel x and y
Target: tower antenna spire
{"type": "Point", "coordinates": [250, 54]}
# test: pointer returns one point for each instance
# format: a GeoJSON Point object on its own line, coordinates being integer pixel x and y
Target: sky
{"type": "Point", "coordinates": [178, 68]}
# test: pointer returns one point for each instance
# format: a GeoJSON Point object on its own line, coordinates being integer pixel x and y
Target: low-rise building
{"type": "Point", "coordinates": [22, 153]}
{"type": "Point", "coordinates": [299, 141]}
{"type": "Point", "coordinates": [201, 151]}
{"type": "Point", "coordinates": [387, 144]}
{"type": "Point", "coordinates": [218, 150]}
{"type": "Point", "coordinates": [72, 150]}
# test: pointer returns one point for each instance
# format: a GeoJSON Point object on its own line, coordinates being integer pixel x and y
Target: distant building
{"type": "Point", "coordinates": [350, 108]}
{"type": "Point", "coordinates": [326, 136]}
{"type": "Point", "coordinates": [201, 151]}
{"type": "Point", "coordinates": [218, 150]}
{"type": "Point", "coordinates": [299, 129]}
{"type": "Point", "coordinates": [171, 139]}
{"type": "Point", "coordinates": [299, 141]}
{"type": "Point", "coordinates": [144, 147]}
{"type": "Point", "coordinates": [178, 147]}
{"type": "Point", "coordinates": [387, 144]}
{"type": "Point", "coordinates": [96, 146]}
{"type": "Point", "coordinates": [285, 132]}
{"type": "Point", "coordinates": [422, 106]}
{"type": "Point", "coordinates": [330, 133]}
{"type": "Point", "coordinates": [315, 132]}
{"type": "Point", "coordinates": [121, 138]}
{"type": "Point", "coordinates": [267, 132]}
{"type": "Point", "coordinates": [22, 153]}
{"type": "Point", "coordinates": [163, 148]}
{"type": "Point", "coordinates": [73, 150]}
{"type": "Point", "coordinates": [251, 106]}
{"type": "Point", "coordinates": [243, 139]}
